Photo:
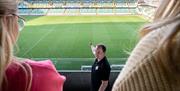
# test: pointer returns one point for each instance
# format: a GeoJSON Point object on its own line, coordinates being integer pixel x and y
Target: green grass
{"type": "Point", "coordinates": [69, 37]}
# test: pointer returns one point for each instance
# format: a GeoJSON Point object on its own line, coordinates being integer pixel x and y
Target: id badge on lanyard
{"type": "Point", "coordinates": [97, 67]}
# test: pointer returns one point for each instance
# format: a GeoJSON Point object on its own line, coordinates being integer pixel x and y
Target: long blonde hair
{"type": "Point", "coordinates": [168, 53]}
{"type": "Point", "coordinates": [8, 37]}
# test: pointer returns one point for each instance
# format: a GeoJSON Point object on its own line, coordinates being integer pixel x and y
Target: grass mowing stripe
{"type": "Point", "coordinates": [38, 41]}
{"type": "Point", "coordinates": [69, 37]}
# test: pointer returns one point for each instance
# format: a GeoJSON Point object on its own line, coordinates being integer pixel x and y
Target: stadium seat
{"type": "Point", "coordinates": [73, 7]}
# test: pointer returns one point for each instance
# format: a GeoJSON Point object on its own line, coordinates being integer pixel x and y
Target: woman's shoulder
{"type": "Point", "coordinates": [37, 67]}
{"type": "Point", "coordinates": [43, 70]}
{"type": "Point", "coordinates": [40, 70]}
{"type": "Point", "coordinates": [45, 64]}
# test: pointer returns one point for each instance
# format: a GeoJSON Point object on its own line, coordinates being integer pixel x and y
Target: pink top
{"type": "Point", "coordinates": [44, 77]}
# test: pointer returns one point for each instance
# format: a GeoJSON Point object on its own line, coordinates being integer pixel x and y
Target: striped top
{"type": "Point", "coordinates": [142, 71]}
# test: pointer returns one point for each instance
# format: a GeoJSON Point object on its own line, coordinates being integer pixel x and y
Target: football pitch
{"type": "Point", "coordinates": [65, 39]}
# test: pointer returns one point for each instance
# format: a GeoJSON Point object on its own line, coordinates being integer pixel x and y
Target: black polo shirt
{"type": "Point", "coordinates": [100, 71]}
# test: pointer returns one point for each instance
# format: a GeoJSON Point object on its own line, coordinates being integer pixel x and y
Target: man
{"type": "Point", "coordinates": [100, 70]}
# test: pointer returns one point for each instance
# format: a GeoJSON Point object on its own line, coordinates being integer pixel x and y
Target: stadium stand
{"type": "Point", "coordinates": [55, 12]}
{"type": "Point", "coordinates": [38, 11]}
{"type": "Point", "coordinates": [147, 10]}
{"type": "Point", "coordinates": [76, 7]}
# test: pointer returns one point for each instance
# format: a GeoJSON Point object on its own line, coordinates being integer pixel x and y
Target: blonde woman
{"type": "Point", "coordinates": [154, 64]}
{"type": "Point", "coordinates": [26, 75]}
